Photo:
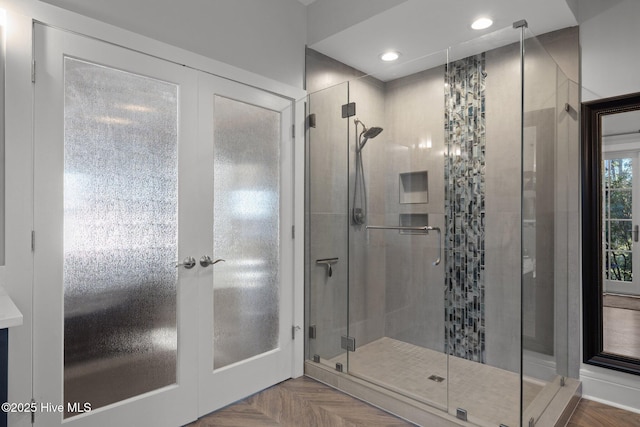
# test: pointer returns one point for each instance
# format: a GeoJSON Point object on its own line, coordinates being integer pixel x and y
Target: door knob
{"type": "Point", "coordinates": [206, 261]}
{"type": "Point", "coordinates": [188, 262]}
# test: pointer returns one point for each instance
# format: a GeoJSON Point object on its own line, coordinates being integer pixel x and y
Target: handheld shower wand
{"type": "Point", "coordinates": [359, 211]}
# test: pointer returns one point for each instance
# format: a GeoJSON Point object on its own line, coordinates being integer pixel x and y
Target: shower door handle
{"type": "Point", "coordinates": [437, 261]}
{"type": "Point", "coordinates": [206, 261]}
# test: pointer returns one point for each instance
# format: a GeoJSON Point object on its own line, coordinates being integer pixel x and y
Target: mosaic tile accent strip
{"type": "Point", "coordinates": [464, 208]}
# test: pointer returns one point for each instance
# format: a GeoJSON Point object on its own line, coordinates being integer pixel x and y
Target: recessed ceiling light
{"type": "Point", "coordinates": [481, 24]}
{"type": "Point", "coordinates": [390, 56]}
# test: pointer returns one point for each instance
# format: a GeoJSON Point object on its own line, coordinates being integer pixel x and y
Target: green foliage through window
{"type": "Point", "coordinates": [617, 216]}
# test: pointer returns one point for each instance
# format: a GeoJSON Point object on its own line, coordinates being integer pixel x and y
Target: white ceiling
{"type": "Point", "coordinates": [621, 128]}
{"type": "Point", "coordinates": [423, 29]}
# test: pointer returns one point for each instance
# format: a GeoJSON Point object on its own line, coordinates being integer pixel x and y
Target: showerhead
{"type": "Point", "coordinates": [368, 134]}
{"type": "Point", "coordinates": [372, 132]}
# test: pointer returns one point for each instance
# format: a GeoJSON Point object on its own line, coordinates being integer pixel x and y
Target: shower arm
{"type": "Point", "coordinates": [425, 229]}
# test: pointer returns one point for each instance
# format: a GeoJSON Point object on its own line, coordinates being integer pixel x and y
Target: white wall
{"type": "Point", "coordinates": [610, 60]}
{"type": "Point", "coordinates": [609, 37]}
{"type": "Point", "coordinates": [265, 37]}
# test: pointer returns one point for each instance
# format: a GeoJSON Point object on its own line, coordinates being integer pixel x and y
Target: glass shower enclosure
{"type": "Point", "coordinates": [437, 230]}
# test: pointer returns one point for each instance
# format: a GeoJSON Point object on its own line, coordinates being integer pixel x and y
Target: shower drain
{"type": "Point", "coordinates": [436, 378]}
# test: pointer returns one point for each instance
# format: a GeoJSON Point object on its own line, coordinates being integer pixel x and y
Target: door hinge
{"type": "Point", "coordinates": [293, 131]}
{"type": "Point", "coordinates": [33, 71]}
{"type": "Point", "coordinates": [294, 328]}
{"type": "Point", "coordinates": [33, 240]}
{"type": "Point", "coordinates": [311, 120]}
{"type": "Point", "coordinates": [461, 414]}
{"type": "Point", "coordinates": [293, 231]}
{"type": "Point", "coordinates": [348, 110]}
{"type": "Point", "coordinates": [348, 343]}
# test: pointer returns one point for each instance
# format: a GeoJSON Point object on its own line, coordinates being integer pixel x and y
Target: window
{"type": "Point", "coordinates": [617, 219]}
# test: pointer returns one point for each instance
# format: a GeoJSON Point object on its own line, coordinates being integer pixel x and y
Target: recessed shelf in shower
{"type": "Point", "coordinates": [414, 187]}
{"type": "Point", "coordinates": [412, 220]}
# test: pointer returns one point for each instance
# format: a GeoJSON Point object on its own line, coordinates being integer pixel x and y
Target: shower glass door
{"type": "Point", "coordinates": [396, 277]}
{"type": "Point", "coordinates": [327, 258]}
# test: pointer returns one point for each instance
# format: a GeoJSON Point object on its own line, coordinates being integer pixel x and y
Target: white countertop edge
{"type": "Point", "coordinates": [9, 314]}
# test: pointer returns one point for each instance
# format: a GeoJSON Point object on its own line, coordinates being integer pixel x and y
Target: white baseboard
{"type": "Point", "coordinates": [610, 387]}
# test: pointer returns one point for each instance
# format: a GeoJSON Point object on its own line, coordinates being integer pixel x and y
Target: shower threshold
{"type": "Point", "coordinates": [391, 374]}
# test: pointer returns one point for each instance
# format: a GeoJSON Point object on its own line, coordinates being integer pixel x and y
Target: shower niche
{"type": "Point", "coordinates": [414, 187]}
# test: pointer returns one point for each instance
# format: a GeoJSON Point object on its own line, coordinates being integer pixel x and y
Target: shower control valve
{"type": "Point", "coordinates": [357, 216]}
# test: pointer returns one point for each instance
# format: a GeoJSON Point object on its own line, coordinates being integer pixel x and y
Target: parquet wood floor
{"type": "Point", "coordinates": [306, 402]}
{"type": "Point", "coordinates": [300, 402]}
{"type": "Point", "coordinates": [595, 414]}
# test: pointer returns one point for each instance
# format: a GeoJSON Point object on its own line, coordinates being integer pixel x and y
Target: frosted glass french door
{"type": "Point", "coordinates": [115, 209]}
{"type": "Point", "coordinates": [246, 300]}
{"type": "Point", "coordinates": [163, 212]}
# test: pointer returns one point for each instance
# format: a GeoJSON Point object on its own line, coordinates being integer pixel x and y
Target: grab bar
{"type": "Point", "coordinates": [424, 228]}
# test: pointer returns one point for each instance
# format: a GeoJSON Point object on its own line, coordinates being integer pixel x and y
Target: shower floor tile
{"type": "Point", "coordinates": [488, 394]}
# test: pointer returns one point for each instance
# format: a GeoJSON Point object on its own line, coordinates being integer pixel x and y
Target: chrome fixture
{"type": "Point", "coordinates": [294, 329]}
{"type": "Point", "coordinates": [359, 208]}
{"type": "Point", "coordinates": [206, 261]}
{"type": "Point", "coordinates": [367, 134]}
{"type": "Point", "coordinates": [328, 262]}
{"type": "Point", "coordinates": [424, 229]}
{"type": "Point", "coordinates": [347, 343]}
{"type": "Point", "coordinates": [188, 262]}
